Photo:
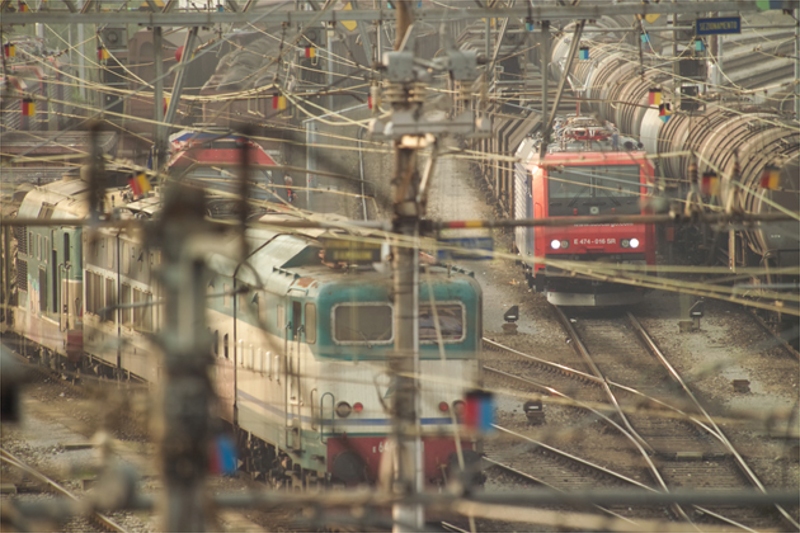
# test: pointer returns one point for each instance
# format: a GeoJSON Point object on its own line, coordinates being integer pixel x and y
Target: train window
{"type": "Point", "coordinates": [90, 290]}
{"type": "Point", "coordinates": [125, 256]}
{"type": "Point", "coordinates": [39, 247]}
{"type": "Point", "coordinates": [311, 323]}
{"type": "Point", "coordinates": [66, 247]}
{"type": "Point", "coordinates": [451, 322]}
{"type": "Point", "coordinates": [592, 190]}
{"type": "Point", "coordinates": [54, 271]}
{"type": "Point", "coordinates": [42, 290]}
{"type": "Point", "coordinates": [143, 316]}
{"type": "Point", "coordinates": [226, 346]}
{"type": "Point", "coordinates": [216, 342]}
{"type": "Point", "coordinates": [110, 300]}
{"type": "Point", "coordinates": [45, 248]}
{"type": "Point", "coordinates": [362, 323]}
{"type": "Point", "coordinates": [125, 299]}
{"type": "Point", "coordinates": [297, 319]}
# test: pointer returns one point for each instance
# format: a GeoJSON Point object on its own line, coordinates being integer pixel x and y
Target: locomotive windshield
{"type": "Point", "coordinates": [362, 323]}
{"type": "Point", "coordinates": [451, 323]}
{"type": "Point", "coordinates": [594, 190]}
{"type": "Point", "coordinates": [372, 323]}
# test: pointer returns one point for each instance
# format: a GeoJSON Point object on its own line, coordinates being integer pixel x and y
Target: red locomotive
{"type": "Point", "coordinates": [590, 170]}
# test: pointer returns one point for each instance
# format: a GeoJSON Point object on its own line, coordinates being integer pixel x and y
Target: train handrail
{"type": "Point", "coordinates": [311, 401]}
{"type": "Point", "coordinates": [322, 437]}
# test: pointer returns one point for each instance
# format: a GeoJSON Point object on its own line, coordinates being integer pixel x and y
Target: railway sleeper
{"type": "Point", "coordinates": [692, 456]}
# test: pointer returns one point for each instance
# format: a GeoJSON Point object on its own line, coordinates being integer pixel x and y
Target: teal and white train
{"type": "Point", "coordinates": [300, 345]}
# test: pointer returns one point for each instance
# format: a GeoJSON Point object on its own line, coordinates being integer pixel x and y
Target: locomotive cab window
{"type": "Point", "coordinates": [362, 324]}
{"type": "Point", "coordinates": [451, 322]}
{"type": "Point", "coordinates": [594, 190]}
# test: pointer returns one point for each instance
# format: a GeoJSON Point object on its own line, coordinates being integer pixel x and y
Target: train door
{"type": "Point", "coordinates": [292, 373]}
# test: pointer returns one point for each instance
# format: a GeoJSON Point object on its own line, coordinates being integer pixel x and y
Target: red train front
{"type": "Point", "coordinates": [590, 170]}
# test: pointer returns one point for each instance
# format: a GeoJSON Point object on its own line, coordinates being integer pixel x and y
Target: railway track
{"type": "Point", "coordinates": [102, 521]}
{"type": "Point", "coordinates": [690, 451]}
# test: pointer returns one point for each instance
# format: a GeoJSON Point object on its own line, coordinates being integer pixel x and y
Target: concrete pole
{"type": "Point", "coordinates": [187, 394]}
{"type": "Point", "coordinates": [159, 133]}
{"type": "Point", "coordinates": [404, 363]}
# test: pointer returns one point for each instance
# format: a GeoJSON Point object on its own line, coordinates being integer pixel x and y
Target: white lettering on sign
{"type": "Point", "coordinates": [594, 241]}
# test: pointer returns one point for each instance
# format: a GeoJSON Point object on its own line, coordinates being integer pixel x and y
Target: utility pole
{"type": "Point", "coordinates": [184, 434]}
{"type": "Point", "coordinates": [409, 131]}
{"type": "Point", "coordinates": [404, 363]}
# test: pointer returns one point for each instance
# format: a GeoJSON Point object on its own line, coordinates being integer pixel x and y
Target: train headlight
{"type": "Point", "coordinates": [634, 243]}
{"type": "Point", "coordinates": [343, 409]}
{"type": "Point", "coordinates": [555, 244]}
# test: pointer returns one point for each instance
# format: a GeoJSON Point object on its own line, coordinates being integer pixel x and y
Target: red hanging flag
{"type": "Point", "coordinates": [135, 187]}
{"type": "Point", "coordinates": [278, 102]}
{"type": "Point", "coordinates": [771, 178]}
{"type": "Point", "coordinates": [28, 107]}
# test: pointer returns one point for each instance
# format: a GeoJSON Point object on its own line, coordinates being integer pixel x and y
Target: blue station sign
{"type": "Point", "coordinates": [718, 26]}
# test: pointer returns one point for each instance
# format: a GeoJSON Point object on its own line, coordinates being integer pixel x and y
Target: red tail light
{"type": "Point", "coordinates": [444, 407]}
{"type": "Point", "coordinates": [358, 407]}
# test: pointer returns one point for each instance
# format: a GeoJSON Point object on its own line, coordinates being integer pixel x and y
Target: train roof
{"type": "Point", "coordinates": [67, 198]}
{"type": "Point", "coordinates": [202, 148]}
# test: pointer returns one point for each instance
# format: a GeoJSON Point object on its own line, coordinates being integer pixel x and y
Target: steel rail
{"type": "Point", "coordinates": [537, 481]}
{"type": "Point", "coordinates": [575, 458]}
{"type": "Point", "coordinates": [622, 431]}
{"type": "Point", "coordinates": [581, 349]}
{"type": "Point", "coordinates": [102, 519]}
{"type": "Point", "coordinates": [788, 348]}
{"type": "Point", "coordinates": [743, 466]}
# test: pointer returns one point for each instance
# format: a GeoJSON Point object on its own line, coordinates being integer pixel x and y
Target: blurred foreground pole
{"type": "Point", "coordinates": [403, 365]}
{"type": "Point", "coordinates": [185, 427]}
